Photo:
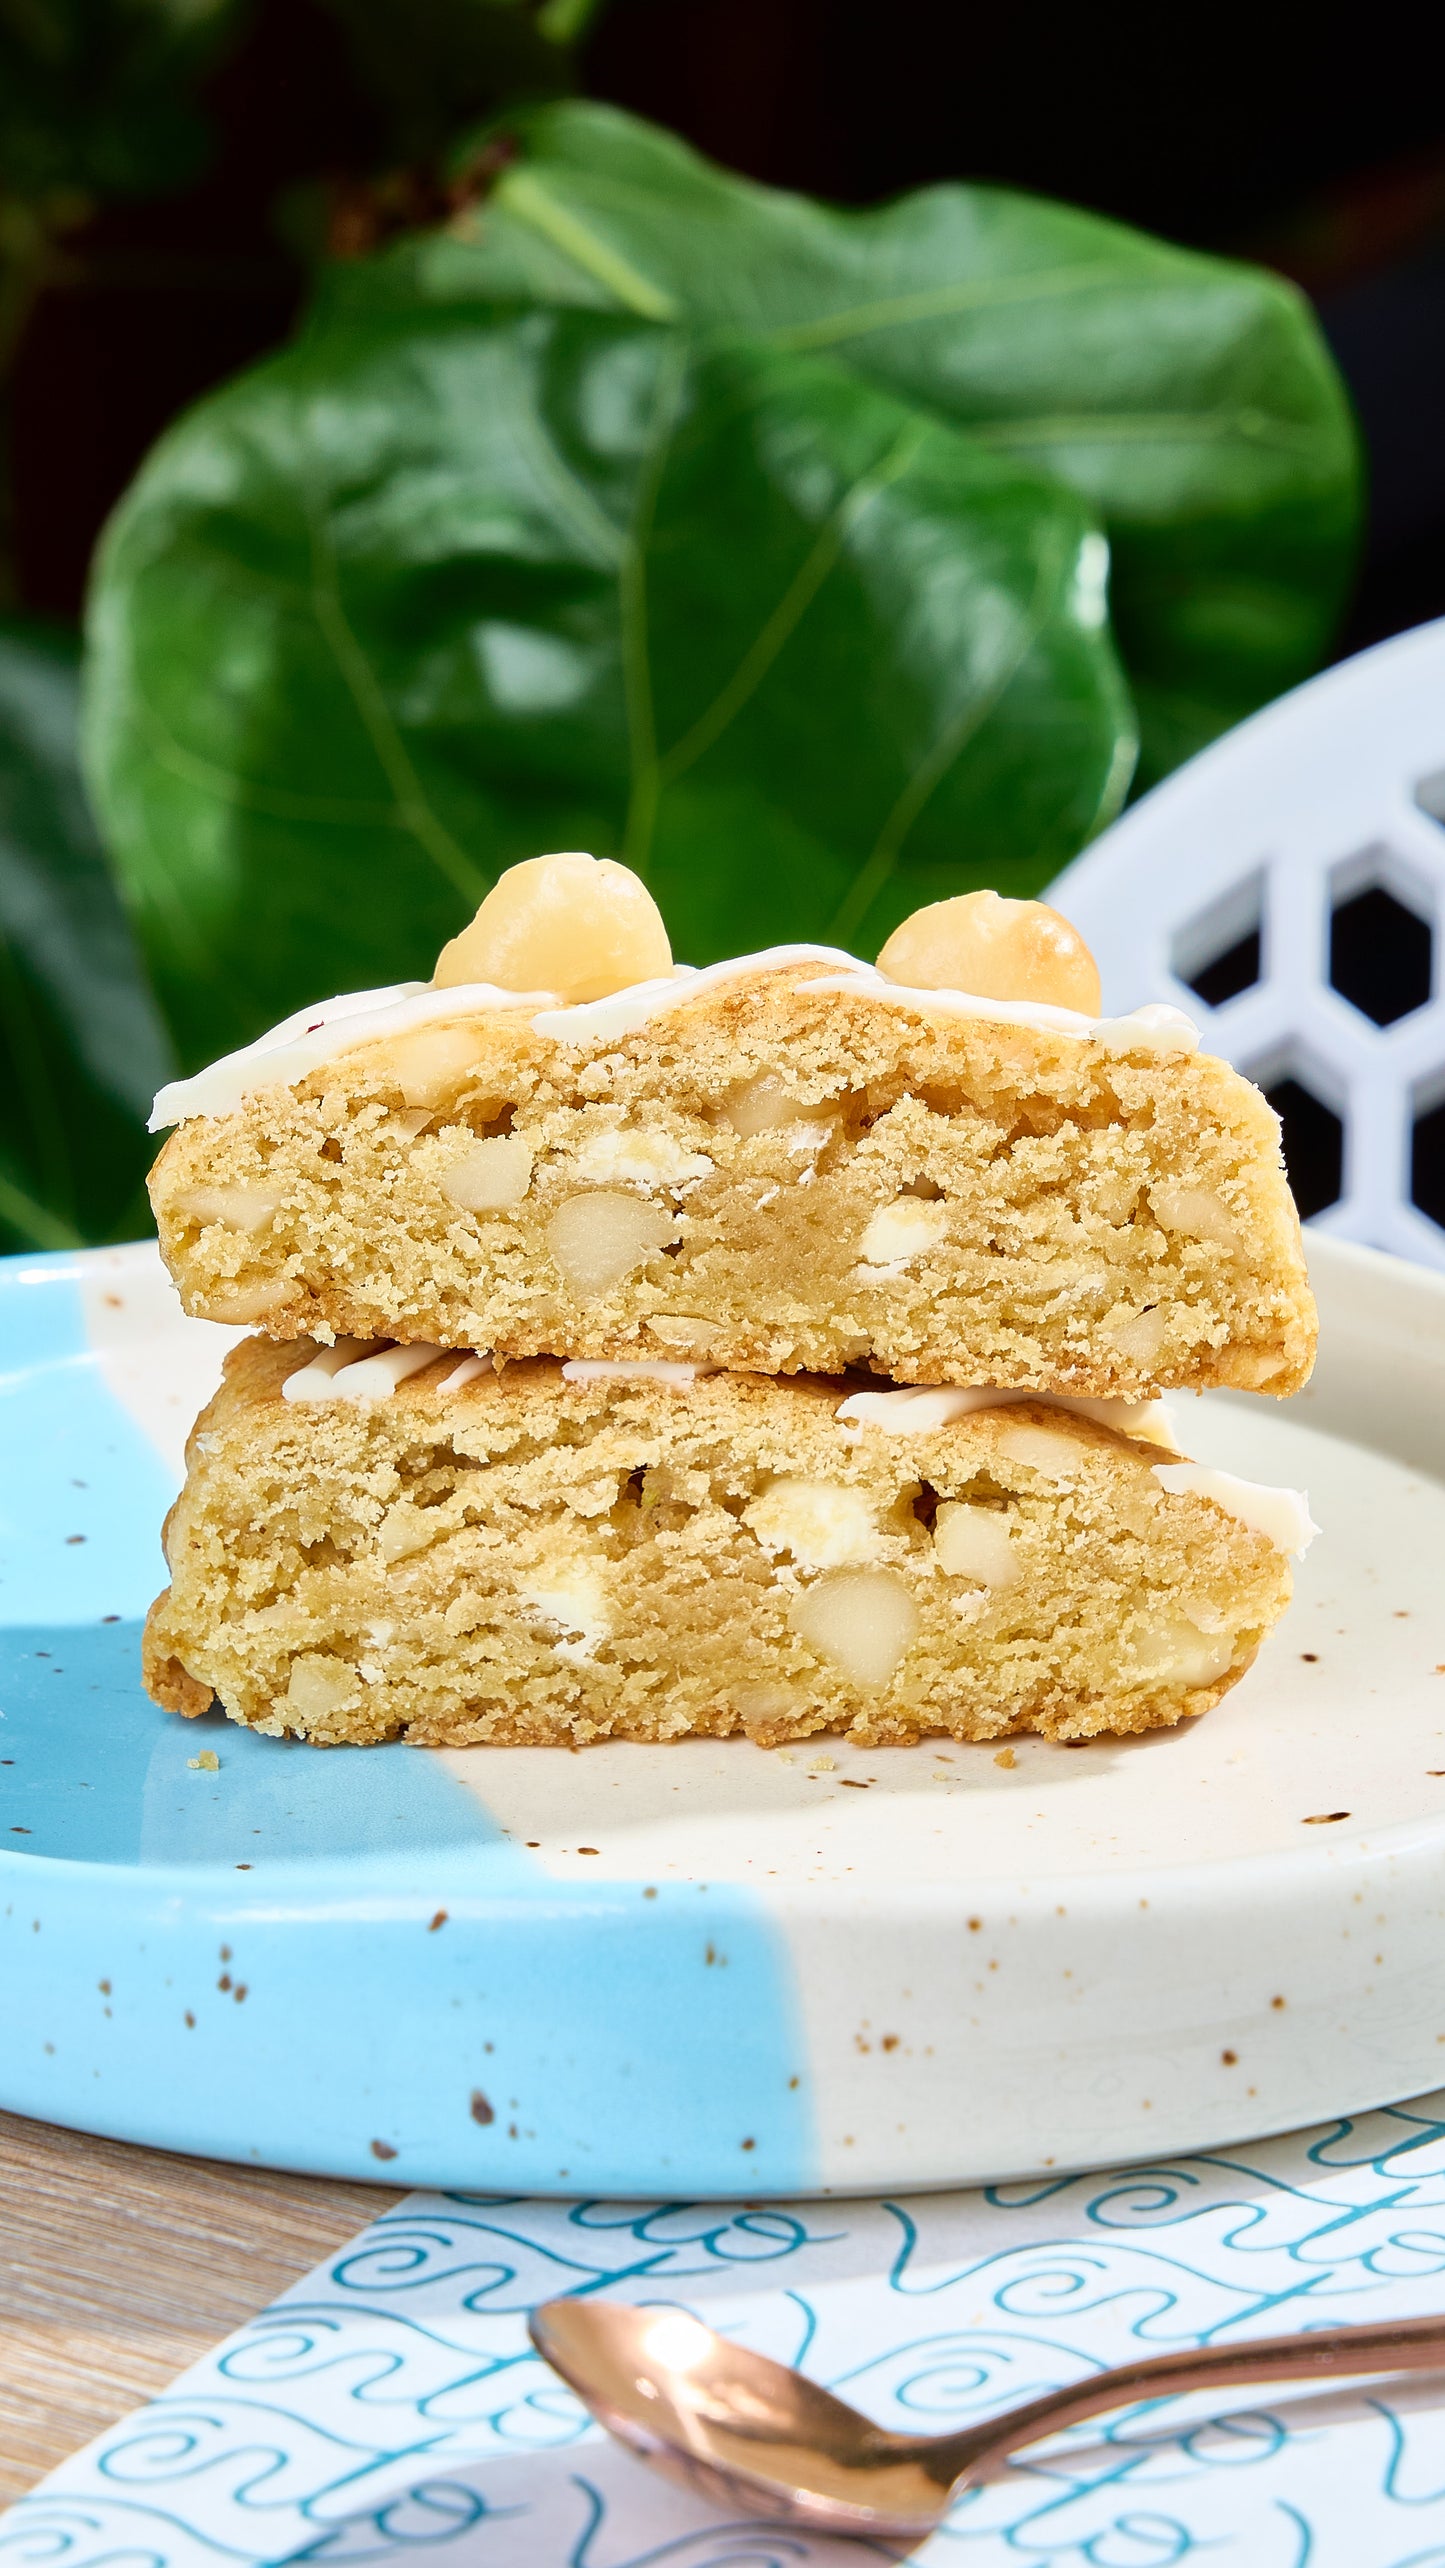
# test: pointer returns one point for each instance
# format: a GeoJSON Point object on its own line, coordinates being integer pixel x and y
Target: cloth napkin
{"type": "Point", "coordinates": [389, 2408]}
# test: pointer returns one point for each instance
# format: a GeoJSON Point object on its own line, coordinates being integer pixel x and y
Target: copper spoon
{"type": "Point", "coordinates": [747, 2432]}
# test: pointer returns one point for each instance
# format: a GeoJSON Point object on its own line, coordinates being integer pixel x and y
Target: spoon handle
{"type": "Point", "coordinates": [1331, 2353]}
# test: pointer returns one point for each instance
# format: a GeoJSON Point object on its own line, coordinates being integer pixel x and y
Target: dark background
{"type": "Point", "coordinates": [1315, 147]}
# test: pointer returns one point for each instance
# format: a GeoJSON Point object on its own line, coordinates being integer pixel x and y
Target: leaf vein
{"type": "Point", "coordinates": [524, 195]}
{"type": "Point", "coordinates": [412, 808]}
{"type": "Point", "coordinates": [645, 782]}
{"type": "Point", "coordinates": [881, 861]}
{"type": "Point", "coordinates": [792, 605]}
{"type": "Point", "coordinates": [927, 303]}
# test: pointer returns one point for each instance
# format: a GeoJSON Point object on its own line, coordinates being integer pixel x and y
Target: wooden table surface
{"type": "Point", "coordinates": [119, 2266]}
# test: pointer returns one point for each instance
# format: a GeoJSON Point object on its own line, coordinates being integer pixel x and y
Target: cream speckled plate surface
{"type": "Point", "coordinates": [706, 1968]}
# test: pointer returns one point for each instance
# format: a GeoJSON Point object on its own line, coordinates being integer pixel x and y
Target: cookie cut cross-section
{"type": "Point", "coordinates": [790, 1163]}
{"type": "Point", "coordinates": [370, 1547]}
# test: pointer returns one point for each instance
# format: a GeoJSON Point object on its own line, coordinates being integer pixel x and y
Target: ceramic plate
{"type": "Point", "coordinates": [699, 1969]}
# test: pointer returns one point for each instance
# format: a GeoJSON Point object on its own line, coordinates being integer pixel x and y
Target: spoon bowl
{"type": "Point", "coordinates": [736, 2427]}
{"type": "Point", "coordinates": [747, 2432]}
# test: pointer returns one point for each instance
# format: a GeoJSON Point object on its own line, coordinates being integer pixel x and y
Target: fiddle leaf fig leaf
{"type": "Point", "coordinates": [1189, 401]}
{"type": "Point", "coordinates": [82, 1048]}
{"type": "Point", "coordinates": [442, 587]}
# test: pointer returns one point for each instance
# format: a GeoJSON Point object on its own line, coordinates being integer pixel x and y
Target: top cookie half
{"type": "Point", "coordinates": [789, 1164]}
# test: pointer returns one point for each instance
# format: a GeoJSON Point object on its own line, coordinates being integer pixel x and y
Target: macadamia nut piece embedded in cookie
{"type": "Point", "coordinates": [598, 1240]}
{"type": "Point", "coordinates": [525, 1558]}
{"type": "Point", "coordinates": [818, 1176]}
{"type": "Point", "coordinates": [577, 926]}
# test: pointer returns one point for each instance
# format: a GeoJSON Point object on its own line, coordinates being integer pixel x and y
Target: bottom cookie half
{"type": "Point", "coordinates": [522, 1557]}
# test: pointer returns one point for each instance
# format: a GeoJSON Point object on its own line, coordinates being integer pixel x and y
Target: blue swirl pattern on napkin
{"type": "Point", "coordinates": [389, 2409]}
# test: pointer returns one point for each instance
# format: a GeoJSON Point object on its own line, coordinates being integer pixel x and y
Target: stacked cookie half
{"type": "Point", "coordinates": [773, 1348]}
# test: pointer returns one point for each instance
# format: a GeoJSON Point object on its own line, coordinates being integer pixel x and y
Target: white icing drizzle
{"type": "Point", "coordinates": [924, 1408]}
{"type": "Point", "coordinates": [675, 1377]}
{"type": "Point", "coordinates": [467, 1371]}
{"type": "Point", "coordinates": [364, 1369]}
{"type": "Point", "coordinates": [315, 1035]}
{"type": "Point", "coordinates": [1281, 1515]}
{"type": "Point", "coordinates": [377, 1376]}
{"type": "Point", "coordinates": [1157, 1028]}
{"type": "Point", "coordinates": [314, 1381]}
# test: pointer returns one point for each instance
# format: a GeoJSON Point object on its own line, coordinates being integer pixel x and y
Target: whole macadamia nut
{"type": "Point", "coordinates": [994, 949]}
{"type": "Point", "coordinates": [578, 927]}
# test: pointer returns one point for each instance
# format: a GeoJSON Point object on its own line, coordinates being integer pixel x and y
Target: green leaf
{"type": "Point", "coordinates": [1189, 400]}
{"type": "Point", "coordinates": [431, 592]}
{"type": "Point", "coordinates": [81, 1045]}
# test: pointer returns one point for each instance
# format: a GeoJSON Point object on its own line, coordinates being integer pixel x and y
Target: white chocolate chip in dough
{"type": "Point", "coordinates": [679, 1329]}
{"type": "Point", "coordinates": [580, 926]}
{"type": "Point", "coordinates": [901, 1231]}
{"type": "Point", "coordinates": [1136, 1335]}
{"type": "Point", "coordinates": [861, 1621]}
{"type": "Point", "coordinates": [574, 1611]}
{"type": "Point", "coordinates": [766, 1104]}
{"type": "Point", "coordinates": [428, 1065]}
{"type": "Point", "coordinates": [489, 1176]}
{"type": "Point", "coordinates": [1041, 1449]}
{"type": "Point", "coordinates": [242, 1208]}
{"type": "Point", "coordinates": [974, 1542]}
{"type": "Point", "coordinates": [1170, 1650]}
{"type": "Point", "coordinates": [626, 1154]}
{"type": "Point", "coordinates": [245, 1305]}
{"type": "Point", "coordinates": [1194, 1212]}
{"type": "Point", "coordinates": [320, 1687]}
{"type": "Point", "coordinates": [820, 1523]}
{"type": "Point", "coordinates": [406, 1529]}
{"type": "Point", "coordinates": [597, 1240]}
{"type": "Point", "coordinates": [761, 1708]}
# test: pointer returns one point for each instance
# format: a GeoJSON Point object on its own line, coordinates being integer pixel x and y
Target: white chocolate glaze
{"type": "Point", "coordinates": [465, 1372]}
{"type": "Point", "coordinates": [377, 1376]}
{"type": "Point", "coordinates": [316, 1035]}
{"type": "Point", "coordinates": [1281, 1515]}
{"type": "Point", "coordinates": [923, 1409]}
{"type": "Point", "coordinates": [363, 1369]}
{"type": "Point", "coordinates": [314, 1381]}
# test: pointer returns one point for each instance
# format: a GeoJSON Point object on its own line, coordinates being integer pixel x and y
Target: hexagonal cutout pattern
{"type": "Point", "coordinates": [1380, 955]}
{"type": "Point", "coordinates": [1427, 1164]}
{"type": "Point", "coordinates": [1219, 954]}
{"type": "Point", "coordinates": [1314, 1144]}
